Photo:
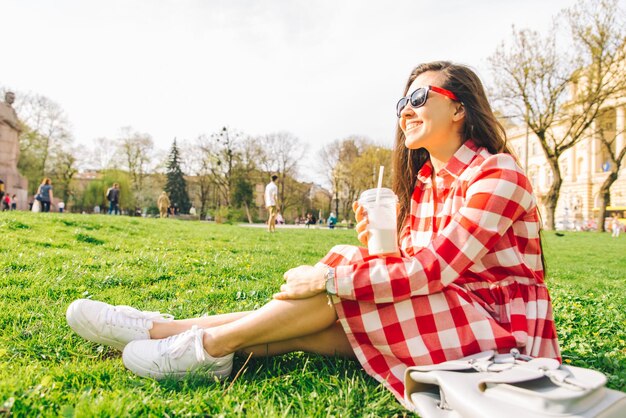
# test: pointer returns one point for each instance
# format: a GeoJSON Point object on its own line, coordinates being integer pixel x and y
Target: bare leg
{"type": "Point", "coordinates": [167, 329]}
{"type": "Point", "coordinates": [294, 325]}
{"type": "Point", "coordinates": [277, 321]}
{"type": "Point", "coordinates": [330, 342]}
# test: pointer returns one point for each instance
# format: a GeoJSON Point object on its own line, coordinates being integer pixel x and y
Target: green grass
{"type": "Point", "coordinates": [191, 269]}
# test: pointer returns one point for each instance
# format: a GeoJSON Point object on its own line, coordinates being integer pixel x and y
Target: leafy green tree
{"type": "Point", "coordinates": [243, 195]}
{"type": "Point", "coordinates": [176, 186]}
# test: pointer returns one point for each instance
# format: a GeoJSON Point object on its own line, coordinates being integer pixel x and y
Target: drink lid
{"type": "Point", "coordinates": [369, 196]}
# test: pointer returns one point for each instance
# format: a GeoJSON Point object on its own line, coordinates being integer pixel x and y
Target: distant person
{"type": "Point", "coordinates": [616, 226]}
{"type": "Point", "coordinates": [279, 219]}
{"type": "Point", "coordinates": [96, 209]}
{"type": "Point", "coordinates": [1, 189]}
{"type": "Point", "coordinates": [14, 202]}
{"type": "Point", "coordinates": [45, 194]}
{"type": "Point", "coordinates": [113, 196]}
{"type": "Point", "coordinates": [192, 211]}
{"type": "Point", "coordinates": [332, 220]}
{"type": "Point", "coordinates": [271, 197]}
{"type": "Point", "coordinates": [61, 206]}
{"type": "Point", "coordinates": [163, 202]}
{"type": "Point", "coordinates": [6, 202]}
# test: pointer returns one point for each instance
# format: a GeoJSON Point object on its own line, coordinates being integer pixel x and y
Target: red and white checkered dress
{"type": "Point", "coordinates": [470, 277]}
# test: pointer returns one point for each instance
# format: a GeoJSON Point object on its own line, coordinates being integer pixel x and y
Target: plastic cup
{"type": "Point", "coordinates": [382, 221]}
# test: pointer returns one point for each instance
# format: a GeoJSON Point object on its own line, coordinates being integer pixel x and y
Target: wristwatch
{"type": "Point", "coordinates": [330, 281]}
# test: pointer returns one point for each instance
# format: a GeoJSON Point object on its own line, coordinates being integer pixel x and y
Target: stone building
{"type": "Point", "coordinates": [584, 167]}
{"type": "Point", "coordinates": [10, 129]}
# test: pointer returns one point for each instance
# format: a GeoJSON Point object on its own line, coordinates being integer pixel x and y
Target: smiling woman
{"type": "Point", "coordinates": [468, 276]}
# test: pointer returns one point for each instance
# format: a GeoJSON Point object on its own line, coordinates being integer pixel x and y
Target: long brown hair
{"type": "Point", "coordinates": [480, 125]}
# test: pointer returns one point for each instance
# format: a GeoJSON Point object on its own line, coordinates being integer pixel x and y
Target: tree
{"type": "Point", "coordinates": [226, 154]}
{"type": "Point", "coordinates": [64, 168]}
{"type": "Point", "coordinates": [243, 195]}
{"type": "Point", "coordinates": [329, 157]}
{"type": "Point", "coordinates": [352, 166]}
{"type": "Point", "coordinates": [559, 98]}
{"type": "Point", "coordinates": [200, 158]}
{"type": "Point", "coordinates": [46, 128]}
{"type": "Point", "coordinates": [280, 153]}
{"type": "Point", "coordinates": [102, 155]}
{"type": "Point", "coordinates": [615, 157]}
{"type": "Point", "coordinates": [134, 151]}
{"type": "Point", "coordinates": [176, 186]}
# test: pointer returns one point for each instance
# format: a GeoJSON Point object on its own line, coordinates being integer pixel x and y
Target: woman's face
{"type": "Point", "coordinates": [433, 126]}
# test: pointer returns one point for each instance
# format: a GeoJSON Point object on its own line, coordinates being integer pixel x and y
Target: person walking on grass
{"type": "Point", "coordinates": [469, 275]}
{"type": "Point", "coordinates": [45, 194]}
{"type": "Point", "coordinates": [6, 202]}
{"type": "Point", "coordinates": [271, 197]}
{"type": "Point", "coordinates": [616, 226]}
{"type": "Point", "coordinates": [113, 196]}
{"type": "Point", "coordinates": [163, 202]}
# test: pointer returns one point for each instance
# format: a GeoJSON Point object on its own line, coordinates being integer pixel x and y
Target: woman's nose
{"type": "Point", "coordinates": [407, 111]}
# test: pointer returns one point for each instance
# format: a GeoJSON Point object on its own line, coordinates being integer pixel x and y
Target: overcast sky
{"type": "Point", "coordinates": [322, 70]}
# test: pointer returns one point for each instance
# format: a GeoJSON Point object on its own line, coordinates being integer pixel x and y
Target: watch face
{"type": "Point", "coordinates": [330, 283]}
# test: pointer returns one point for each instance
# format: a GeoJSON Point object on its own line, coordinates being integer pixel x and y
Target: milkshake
{"type": "Point", "coordinates": [382, 218]}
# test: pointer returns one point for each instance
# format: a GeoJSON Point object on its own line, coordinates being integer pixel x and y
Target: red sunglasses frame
{"type": "Point", "coordinates": [436, 89]}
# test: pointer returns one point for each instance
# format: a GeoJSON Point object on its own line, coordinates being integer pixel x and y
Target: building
{"type": "Point", "coordinates": [584, 168]}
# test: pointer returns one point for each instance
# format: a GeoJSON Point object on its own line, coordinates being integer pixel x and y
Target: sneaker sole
{"type": "Point", "coordinates": [221, 374]}
{"type": "Point", "coordinates": [81, 326]}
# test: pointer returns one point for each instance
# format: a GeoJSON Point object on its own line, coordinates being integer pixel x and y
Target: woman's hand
{"type": "Point", "coordinates": [302, 282]}
{"type": "Point", "coordinates": [361, 222]}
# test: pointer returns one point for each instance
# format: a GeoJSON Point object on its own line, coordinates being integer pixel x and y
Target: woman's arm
{"type": "Point", "coordinates": [498, 195]}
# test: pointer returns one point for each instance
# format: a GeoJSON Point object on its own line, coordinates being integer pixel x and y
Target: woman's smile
{"type": "Point", "coordinates": [410, 125]}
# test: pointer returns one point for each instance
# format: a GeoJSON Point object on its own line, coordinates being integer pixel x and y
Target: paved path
{"type": "Point", "coordinates": [289, 226]}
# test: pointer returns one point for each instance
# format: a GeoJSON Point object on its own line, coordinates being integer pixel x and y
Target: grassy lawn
{"type": "Point", "coordinates": [191, 269]}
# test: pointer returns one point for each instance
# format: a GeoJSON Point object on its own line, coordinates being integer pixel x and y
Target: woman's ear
{"type": "Point", "coordinates": [459, 113]}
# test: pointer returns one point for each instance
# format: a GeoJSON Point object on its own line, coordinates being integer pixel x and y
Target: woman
{"type": "Point", "coordinates": [616, 226]}
{"type": "Point", "coordinates": [45, 194]}
{"type": "Point", "coordinates": [468, 277]}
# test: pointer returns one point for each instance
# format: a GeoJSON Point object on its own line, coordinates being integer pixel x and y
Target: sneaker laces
{"type": "Point", "coordinates": [179, 344]}
{"type": "Point", "coordinates": [127, 316]}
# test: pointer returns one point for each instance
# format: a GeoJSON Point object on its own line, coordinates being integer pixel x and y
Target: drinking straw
{"type": "Point", "coordinates": [380, 183]}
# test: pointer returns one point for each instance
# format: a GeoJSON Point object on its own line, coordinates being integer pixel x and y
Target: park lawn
{"type": "Point", "coordinates": [190, 268]}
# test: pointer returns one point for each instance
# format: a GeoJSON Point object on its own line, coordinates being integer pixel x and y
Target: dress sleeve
{"type": "Point", "coordinates": [495, 197]}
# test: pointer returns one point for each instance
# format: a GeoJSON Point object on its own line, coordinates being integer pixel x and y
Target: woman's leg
{"type": "Point", "coordinates": [279, 320]}
{"type": "Point", "coordinates": [330, 342]}
{"type": "Point", "coordinates": [167, 329]}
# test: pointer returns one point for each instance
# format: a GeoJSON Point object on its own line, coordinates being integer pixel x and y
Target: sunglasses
{"type": "Point", "coordinates": [418, 98]}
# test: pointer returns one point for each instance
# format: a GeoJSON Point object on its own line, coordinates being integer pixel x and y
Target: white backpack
{"type": "Point", "coordinates": [489, 385]}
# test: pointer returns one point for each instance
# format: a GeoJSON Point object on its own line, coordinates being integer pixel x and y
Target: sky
{"type": "Point", "coordinates": [322, 70]}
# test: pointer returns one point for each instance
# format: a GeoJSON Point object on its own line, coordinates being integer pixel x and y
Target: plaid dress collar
{"type": "Point", "coordinates": [454, 167]}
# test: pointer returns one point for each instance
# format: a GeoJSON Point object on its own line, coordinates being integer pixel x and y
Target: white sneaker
{"type": "Point", "coordinates": [115, 326]}
{"type": "Point", "coordinates": [175, 357]}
